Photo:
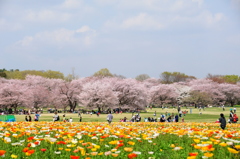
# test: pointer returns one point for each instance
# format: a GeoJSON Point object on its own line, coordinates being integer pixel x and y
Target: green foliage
{"type": "Point", "coordinates": [103, 73]}
{"type": "Point", "coordinates": [231, 78]}
{"type": "Point", "coordinates": [53, 74]}
{"type": "Point", "coordinates": [198, 97]}
{"type": "Point", "coordinates": [16, 74]}
{"type": "Point", "coordinates": [2, 70]}
{"type": "Point", "coordinates": [171, 77]}
{"type": "Point", "coordinates": [142, 77]}
{"type": "Point", "coordinates": [3, 74]}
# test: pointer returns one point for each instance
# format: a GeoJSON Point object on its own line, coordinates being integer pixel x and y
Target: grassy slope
{"type": "Point", "coordinates": [208, 115]}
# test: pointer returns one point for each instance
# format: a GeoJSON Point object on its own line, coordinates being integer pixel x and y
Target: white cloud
{"type": "Point", "coordinates": [203, 19]}
{"type": "Point", "coordinates": [84, 28]}
{"type": "Point", "coordinates": [9, 26]}
{"type": "Point", "coordinates": [209, 19]}
{"type": "Point", "coordinates": [26, 41]}
{"type": "Point", "coordinates": [71, 4]}
{"type": "Point", "coordinates": [154, 5]}
{"type": "Point", "coordinates": [200, 2]}
{"type": "Point", "coordinates": [46, 16]}
{"type": "Point", "coordinates": [142, 21]}
{"type": "Point", "coordinates": [58, 38]}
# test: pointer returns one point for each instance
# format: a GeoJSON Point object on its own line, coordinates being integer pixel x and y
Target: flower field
{"type": "Point", "coordinates": [47, 140]}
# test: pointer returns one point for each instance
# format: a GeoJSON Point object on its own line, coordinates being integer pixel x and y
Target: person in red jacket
{"type": "Point", "coordinates": [235, 118]}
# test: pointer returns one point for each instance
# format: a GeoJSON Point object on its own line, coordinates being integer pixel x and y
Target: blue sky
{"type": "Point", "coordinates": [129, 37]}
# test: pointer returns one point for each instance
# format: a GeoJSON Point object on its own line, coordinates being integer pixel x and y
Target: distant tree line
{"type": "Point", "coordinates": [165, 77]}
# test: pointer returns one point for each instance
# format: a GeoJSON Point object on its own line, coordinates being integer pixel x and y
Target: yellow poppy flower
{"type": "Point", "coordinates": [207, 154]}
{"type": "Point", "coordinates": [196, 140]}
{"type": "Point", "coordinates": [128, 149]}
{"type": "Point", "coordinates": [232, 150]}
{"type": "Point", "coordinates": [14, 156]}
{"type": "Point", "coordinates": [223, 144]}
{"type": "Point", "coordinates": [131, 143]}
{"type": "Point", "coordinates": [237, 146]}
{"type": "Point", "coordinates": [67, 149]}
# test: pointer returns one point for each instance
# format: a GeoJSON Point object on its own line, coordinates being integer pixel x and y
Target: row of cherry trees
{"type": "Point", "coordinates": [103, 93]}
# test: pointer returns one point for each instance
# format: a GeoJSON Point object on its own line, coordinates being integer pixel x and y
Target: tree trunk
{"type": "Point", "coordinates": [232, 103]}
{"type": "Point", "coordinates": [15, 109]}
{"type": "Point", "coordinates": [72, 105]}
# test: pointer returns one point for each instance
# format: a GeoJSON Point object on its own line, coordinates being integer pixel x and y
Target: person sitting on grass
{"type": "Point", "coordinates": [70, 120]}
{"type": "Point", "coordinates": [64, 118]}
{"type": "Point", "coordinates": [26, 118]}
{"type": "Point", "coordinates": [56, 117]}
{"type": "Point", "coordinates": [235, 118]}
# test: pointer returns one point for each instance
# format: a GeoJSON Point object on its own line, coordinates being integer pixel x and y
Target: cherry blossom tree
{"type": "Point", "coordinates": [98, 94]}
{"type": "Point", "coordinates": [162, 94]}
{"type": "Point", "coordinates": [39, 91]}
{"type": "Point", "coordinates": [69, 92]}
{"type": "Point", "coordinates": [198, 97]}
{"type": "Point", "coordinates": [12, 94]}
{"type": "Point", "coordinates": [131, 93]}
{"type": "Point", "coordinates": [183, 90]}
{"type": "Point", "coordinates": [231, 92]}
{"type": "Point", "coordinates": [209, 87]}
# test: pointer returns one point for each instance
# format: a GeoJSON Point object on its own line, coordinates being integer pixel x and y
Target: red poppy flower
{"type": "Point", "coordinates": [30, 151]}
{"type": "Point", "coordinates": [193, 154]}
{"type": "Point", "coordinates": [61, 142]}
{"type": "Point", "coordinates": [43, 150]}
{"type": "Point", "coordinates": [31, 138]}
{"type": "Point", "coordinates": [121, 144]}
{"type": "Point", "coordinates": [74, 157]}
{"type": "Point", "coordinates": [209, 146]}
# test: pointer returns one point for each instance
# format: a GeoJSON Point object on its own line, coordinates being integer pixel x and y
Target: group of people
{"type": "Point", "coordinates": [124, 119]}
{"type": "Point", "coordinates": [28, 117]}
{"type": "Point", "coordinates": [136, 118]}
{"type": "Point", "coordinates": [56, 117]}
{"type": "Point", "coordinates": [233, 118]}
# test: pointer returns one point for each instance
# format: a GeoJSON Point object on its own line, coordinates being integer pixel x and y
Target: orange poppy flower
{"type": "Point", "coordinates": [25, 149]}
{"type": "Point", "coordinates": [2, 152]}
{"type": "Point", "coordinates": [115, 155]}
{"type": "Point", "coordinates": [132, 155]}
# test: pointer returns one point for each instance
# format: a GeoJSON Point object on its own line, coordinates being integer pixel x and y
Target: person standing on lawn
{"type": "Point", "coordinates": [36, 118]}
{"type": "Point", "coordinates": [222, 120]}
{"type": "Point", "coordinates": [109, 117]}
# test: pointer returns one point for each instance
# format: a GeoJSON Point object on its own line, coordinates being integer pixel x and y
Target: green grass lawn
{"type": "Point", "coordinates": [208, 115]}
